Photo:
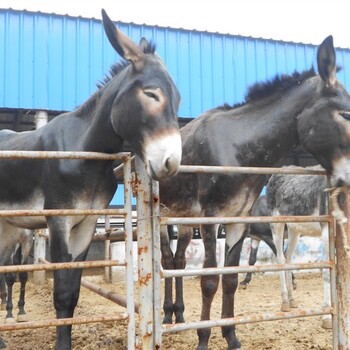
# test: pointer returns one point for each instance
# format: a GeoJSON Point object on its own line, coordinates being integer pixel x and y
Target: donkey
{"type": "Point", "coordinates": [307, 109]}
{"type": "Point", "coordinates": [298, 195]}
{"type": "Point", "coordinates": [136, 103]}
{"type": "Point", "coordinates": [259, 232]}
{"type": "Point", "coordinates": [16, 252]}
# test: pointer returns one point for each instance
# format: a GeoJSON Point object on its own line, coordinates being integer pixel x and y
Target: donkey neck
{"type": "Point", "coordinates": [96, 114]}
{"type": "Point", "coordinates": [274, 130]}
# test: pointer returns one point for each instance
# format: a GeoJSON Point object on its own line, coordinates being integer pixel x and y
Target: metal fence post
{"type": "Point", "coordinates": [157, 266]}
{"type": "Point", "coordinates": [129, 253]}
{"type": "Point", "coordinates": [145, 256]}
{"type": "Point", "coordinates": [108, 269]}
{"type": "Point", "coordinates": [343, 278]}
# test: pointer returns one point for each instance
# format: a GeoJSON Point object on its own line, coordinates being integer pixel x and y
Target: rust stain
{"type": "Point", "coordinates": [142, 250]}
{"type": "Point", "coordinates": [144, 280]}
{"type": "Point", "coordinates": [135, 182]}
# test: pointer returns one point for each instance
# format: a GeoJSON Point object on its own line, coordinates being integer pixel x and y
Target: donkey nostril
{"type": "Point", "coordinates": [171, 165]}
{"type": "Point", "coordinates": [168, 164]}
{"type": "Point", "coordinates": [340, 183]}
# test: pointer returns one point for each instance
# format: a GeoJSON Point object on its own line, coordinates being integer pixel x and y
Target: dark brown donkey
{"type": "Point", "coordinates": [137, 104]}
{"type": "Point", "coordinates": [308, 109]}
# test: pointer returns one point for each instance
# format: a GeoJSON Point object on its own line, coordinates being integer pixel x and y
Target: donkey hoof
{"type": "Point", "coordinates": [293, 304]}
{"type": "Point", "coordinates": [22, 318]}
{"type": "Point", "coordinates": [327, 323]}
{"type": "Point", "coordinates": [180, 319]}
{"type": "Point", "coordinates": [285, 307]}
{"type": "Point", "coordinates": [167, 320]}
{"type": "Point", "coordinates": [10, 320]}
{"type": "Point", "coordinates": [2, 344]}
{"type": "Point", "coordinates": [243, 285]}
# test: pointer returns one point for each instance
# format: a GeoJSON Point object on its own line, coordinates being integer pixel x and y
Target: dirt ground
{"type": "Point", "coordinates": [262, 295]}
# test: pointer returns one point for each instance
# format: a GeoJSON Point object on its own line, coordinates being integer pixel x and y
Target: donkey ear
{"type": "Point", "coordinates": [326, 61]}
{"type": "Point", "coordinates": [143, 44]}
{"type": "Point", "coordinates": [121, 43]}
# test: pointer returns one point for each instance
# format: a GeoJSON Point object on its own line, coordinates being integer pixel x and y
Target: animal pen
{"type": "Point", "coordinates": [150, 272]}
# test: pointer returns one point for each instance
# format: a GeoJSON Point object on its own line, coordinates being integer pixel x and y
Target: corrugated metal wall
{"type": "Point", "coordinates": [53, 62]}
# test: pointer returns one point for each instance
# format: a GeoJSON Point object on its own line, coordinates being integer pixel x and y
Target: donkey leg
{"type": "Point", "coordinates": [209, 284]}
{"type": "Point", "coordinates": [252, 260]}
{"type": "Point", "coordinates": [10, 280]}
{"type": "Point", "coordinates": [168, 264]}
{"type": "Point", "coordinates": [183, 240]}
{"type": "Point", "coordinates": [2, 344]}
{"type": "Point", "coordinates": [293, 238]}
{"type": "Point", "coordinates": [235, 235]}
{"type": "Point", "coordinates": [3, 292]}
{"type": "Point", "coordinates": [22, 316]}
{"type": "Point", "coordinates": [66, 295]}
{"type": "Point", "coordinates": [67, 282]}
{"type": "Point", "coordinates": [278, 233]}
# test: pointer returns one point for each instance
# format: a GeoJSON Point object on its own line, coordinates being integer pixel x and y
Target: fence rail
{"type": "Point", "coordinates": [150, 271]}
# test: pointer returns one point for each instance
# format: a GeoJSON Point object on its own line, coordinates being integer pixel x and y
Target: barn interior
{"type": "Point", "coordinates": [24, 120]}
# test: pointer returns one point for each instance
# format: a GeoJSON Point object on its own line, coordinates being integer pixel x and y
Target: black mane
{"type": "Point", "coordinates": [150, 48]}
{"type": "Point", "coordinates": [279, 83]}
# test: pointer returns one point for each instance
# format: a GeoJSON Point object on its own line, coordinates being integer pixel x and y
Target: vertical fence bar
{"type": "Point", "coordinates": [39, 253]}
{"type": "Point", "coordinates": [332, 271]}
{"type": "Point", "coordinates": [332, 281]}
{"type": "Point", "coordinates": [40, 119]}
{"type": "Point", "coordinates": [108, 269]}
{"type": "Point", "coordinates": [145, 258]}
{"type": "Point", "coordinates": [129, 253]}
{"type": "Point", "coordinates": [157, 300]}
{"type": "Point", "coordinates": [343, 278]}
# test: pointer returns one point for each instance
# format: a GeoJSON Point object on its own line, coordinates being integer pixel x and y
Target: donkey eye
{"type": "Point", "coordinates": [345, 115]}
{"type": "Point", "coordinates": [151, 94]}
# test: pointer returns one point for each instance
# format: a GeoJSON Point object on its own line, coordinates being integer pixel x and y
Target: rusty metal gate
{"type": "Point", "coordinates": [151, 272]}
{"type": "Point", "coordinates": [43, 265]}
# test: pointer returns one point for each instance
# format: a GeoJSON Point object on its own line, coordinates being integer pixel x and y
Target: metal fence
{"type": "Point", "coordinates": [151, 329]}
{"type": "Point", "coordinates": [43, 265]}
{"type": "Point", "coordinates": [150, 272]}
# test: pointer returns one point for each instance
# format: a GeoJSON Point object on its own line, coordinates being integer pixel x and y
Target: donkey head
{"type": "Point", "coordinates": [145, 105]}
{"type": "Point", "coordinates": [324, 126]}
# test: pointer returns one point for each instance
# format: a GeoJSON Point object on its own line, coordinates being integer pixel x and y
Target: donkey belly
{"type": "Point", "coordinates": [30, 222]}
{"type": "Point", "coordinates": [311, 229]}
{"type": "Point", "coordinates": [182, 209]}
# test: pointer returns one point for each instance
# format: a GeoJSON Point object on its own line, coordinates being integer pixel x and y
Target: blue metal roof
{"type": "Point", "coordinates": [53, 62]}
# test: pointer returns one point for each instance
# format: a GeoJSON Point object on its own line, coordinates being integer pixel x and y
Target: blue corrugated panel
{"type": "Point", "coordinates": [53, 62]}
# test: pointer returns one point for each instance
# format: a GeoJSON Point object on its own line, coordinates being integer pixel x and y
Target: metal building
{"type": "Point", "coordinates": [52, 62]}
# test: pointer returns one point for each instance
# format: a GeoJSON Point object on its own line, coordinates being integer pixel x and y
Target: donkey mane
{"type": "Point", "coordinates": [116, 68]}
{"type": "Point", "coordinates": [279, 83]}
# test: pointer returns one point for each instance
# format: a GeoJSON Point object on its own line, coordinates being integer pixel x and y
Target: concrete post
{"type": "Point", "coordinates": [40, 119]}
